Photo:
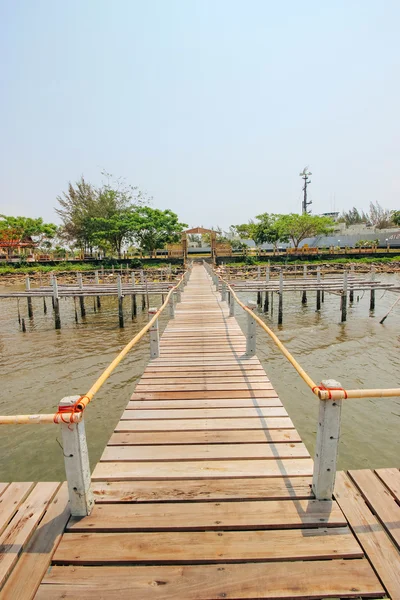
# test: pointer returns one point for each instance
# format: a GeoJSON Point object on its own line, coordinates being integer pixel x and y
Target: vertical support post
{"type": "Point", "coordinates": [56, 301]}
{"type": "Point", "coordinates": [231, 305]}
{"type": "Point", "coordinates": [154, 336]}
{"type": "Point", "coordinates": [171, 305]}
{"type": "Point", "coordinates": [134, 304]}
{"type": "Point", "coordinates": [344, 298]}
{"type": "Point", "coordinates": [81, 297]}
{"type": "Point", "coordinates": [280, 307]}
{"type": "Point", "coordinates": [318, 290]}
{"type": "Point", "coordinates": [304, 294]}
{"type": "Point", "coordinates": [51, 285]}
{"type": "Point", "coordinates": [327, 444]}
{"type": "Point", "coordinates": [102, 272]}
{"type": "Point", "coordinates": [76, 460]}
{"type": "Point", "coordinates": [223, 291]}
{"type": "Point", "coordinates": [96, 275]}
{"type": "Point", "coordinates": [178, 295]}
{"type": "Point", "coordinates": [29, 300]}
{"type": "Point", "coordinates": [351, 294]}
{"type": "Point", "coordinates": [372, 296]}
{"type": "Point", "coordinates": [266, 299]}
{"type": "Point", "coordinates": [120, 302]}
{"type": "Point", "coordinates": [251, 331]}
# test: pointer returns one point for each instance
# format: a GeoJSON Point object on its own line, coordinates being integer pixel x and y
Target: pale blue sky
{"type": "Point", "coordinates": [211, 106]}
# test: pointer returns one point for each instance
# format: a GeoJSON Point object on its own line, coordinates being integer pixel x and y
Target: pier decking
{"type": "Point", "coordinates": [204, 492]}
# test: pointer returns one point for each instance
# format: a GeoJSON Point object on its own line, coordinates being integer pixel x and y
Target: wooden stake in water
{"type": "Point", "coordinates": [81, 297]}
{"type": "Point", "coordinates": [304, 294]}
{"type": "Point", "coordinates": [120, 302]}
{"type": "Point", "coordinates": [57, 317]}
{"type": "Point", "coordinates": [280, 306]}
{"type": "Point", "coordinates": [372, 297]}
{"type": "Point", "coordinates": [318, 290]}
{"type": "Point", "coordinates": [344, 298]}
{"type": "Point", "coordinates": [28, 287]}
{"type": "Point", "coordinates": [96, 275]}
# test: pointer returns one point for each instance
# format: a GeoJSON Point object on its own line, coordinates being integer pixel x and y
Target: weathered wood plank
{"type": "Point", "coordinates": [271, 581]}
{"type": "Point", "coordinates": [290, 467]}
{"type": "Point", "coordinates": [193, 387]}
{"type": "Point", "coordinates": [205, 424]}
{"type": "Point", "coordinates": [204, 452]}
{"type": "Point", "coordinates": [3, 487]}
{"type": "Point", "coordinates": [370, 533]}
{"type": "Point", "coordinates": [20, 529]}
{"type": "Point", "coordinates": [206, 546]}
{"type": "Point", "coordinates": [216, 403]}
{"type": "Point", "coordinates": [213, 436]}
{"type": "Point", "coordinates": [11, 500]}
{"type": "Point", "coordinates": [256, 514]}
{"type": "Point", "coordinates": [380, 500]}
{"type": "Point", "coordinates": [391, 478]}
{"type": "Point", "coordinates": [278, 488]}
{"type": "Point", "coordinates": [207, 395]}
{"type": "Point", "coordinates": [32, 565]}
{"type": "Point", "coordinates": [204, 413]}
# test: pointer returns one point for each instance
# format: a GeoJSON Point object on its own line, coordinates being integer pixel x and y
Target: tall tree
{"type": "Point", "coordinates": [153, 228]}
{"type": "Point", "coordinates": [379, 217]}
{"type": "Point", "coordinates": [353, 217]}
{"type": "Point", "coordinates": [78, 206]}
{"type": "Point", "coordinates": [299, 227]}
{"type": "Point", "coordinates": [396, 217]}
{"type": "Point", "coordinates": [269, 231]}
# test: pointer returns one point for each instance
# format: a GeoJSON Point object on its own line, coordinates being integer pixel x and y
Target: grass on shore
{"type": "Point", "coordinates": [25, 269]}
{"type": "Point", "coordinates": [369, 260]}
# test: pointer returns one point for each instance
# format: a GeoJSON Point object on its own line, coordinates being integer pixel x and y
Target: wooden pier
{"type": "Point", "coordinates": [204, 492]}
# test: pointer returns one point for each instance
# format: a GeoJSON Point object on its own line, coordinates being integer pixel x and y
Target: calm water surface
{"type": "Point", "coordinates": [41, 366]}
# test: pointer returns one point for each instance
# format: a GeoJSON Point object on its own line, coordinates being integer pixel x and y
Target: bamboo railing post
{"type": "Point", "coordinates": [327, 444]}
{"type": "Point", "coordinates": [280, 306]}
{"type": "Point", "coordinates": [29, 299]}
{"type": "Point", "coordinates": [318, 307]}
{"type": "Point", "coordinates": [344, 298]}
{"type": "Point", "coordinates": [372, 296]}
{"type": "Point", "coordinates": [304, 294]}
{"type": "Point", "coordinates": [76, 461]}
{"type": "Point", "coordinates": [120, 302]}
{"type": "Point", "coordinates": [154, 335]}
{"type": "Point", "coordinates": [81, 297]}
{"type": "Point", "coordinates": [96, 276]}
{"type": "Point", "coordinates": [56, 302]}
{"type": "Point", "coordinates": [251, 331]}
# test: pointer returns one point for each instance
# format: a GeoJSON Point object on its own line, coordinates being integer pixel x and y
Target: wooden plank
{"type": "Point", "coordinates": [207, 395]}
{"type": "Point", "coordinates": [193, 387]}
{"type": "Point", "coordinates": [188, 547]}
{"type": "Point", "coordinates": [214, 436]}
{"type": "Point", "coordinates": [203, 380]}
{"type": "Point", "coordinates": [391, 478]}
{"type": "Point", "coordinates": [204, 413]}
{"type": "Point", "coordinates": [188, 516]}
{"type": "Point", "coordinates": [123, 471]}
{"type": "Point", "coordinates": [20, 529]}
{"type": "Point", "coordinates": [380, 500]}
{"type": "Point", "coordinates": [370, 533]}
{"type": "Point", "coordinates": [217, 403]}
{"type": "Point", "coordinates": [3, 487]}
{"type": "Point", "coordinates": [276, 580]}
{"type": "Point", "coordinates": [204, 452]}
{"type": "Point", "coordinates": [205, 424]}
{"type": "Point", "coordinates": [30, 569]}
{"type": "Point", "coordinates": [278, 488]}
{"type": "Point", "coordinates": [11, 499]}
{"type": "Point", "coordinates": [210, 375]}
{"type": "Point", "coordinates": [212, 369]}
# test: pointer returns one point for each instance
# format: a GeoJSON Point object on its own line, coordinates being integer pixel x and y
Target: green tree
{"type": "Point", "coordinates": [268, 230]}
{"type": "Point", "coordinates": [246, 231]}
{"type": "Point", "coordinates": [379, 217]}
{"type": "Point", "coordinates": [17, 229]}
{"type": "Point", "coordinates": [116, 230]}
{"type": "Point", "coordinates": [353, 217]}
{"type": "Point", "coordinates": [299, 227]}
{"type": "Point", "coordinates": [396, 217]}
{"type": "Point", "coordinates": [153, 228]}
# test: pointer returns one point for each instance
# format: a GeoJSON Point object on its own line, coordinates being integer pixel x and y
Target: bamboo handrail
{"type": "Point", "coordinates": [77, 415]}
{"type": "Point", "coordinates": [320, 391]}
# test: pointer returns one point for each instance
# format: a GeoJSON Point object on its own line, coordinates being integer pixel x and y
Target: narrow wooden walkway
{"type": "Point", "coordinates": [204, 489]}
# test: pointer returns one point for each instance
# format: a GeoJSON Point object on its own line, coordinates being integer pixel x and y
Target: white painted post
{"type": "Point", "coordinates": [76, 460]}
{"type": "Point", "coordinates": [223, 291]}
{"type": "Point", "coordinates": [178, 295]}
{"type": "Point", "coordinates": [327, 444]}
{"type": "Point", "coordinates": [154, 337]}
{"type": "Point", "coordinates": [231, 305]}
{"type": "Point", "coordinates": [171, 306]}
{"type": "Point", "coordinates": [251, 330]}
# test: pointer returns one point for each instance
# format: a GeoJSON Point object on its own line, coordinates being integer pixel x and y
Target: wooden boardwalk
{"type": "Point", "coordinates": [204, 491]}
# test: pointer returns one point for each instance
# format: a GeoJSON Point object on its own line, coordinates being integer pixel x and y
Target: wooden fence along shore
{"type": "Point", "coordinates": [205, 489]}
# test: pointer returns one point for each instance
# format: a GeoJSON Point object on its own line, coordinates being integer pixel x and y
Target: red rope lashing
{"type": "Point", "coordinates": [72, 410]}
{"type": "Point", "coordinates": [336, 389]}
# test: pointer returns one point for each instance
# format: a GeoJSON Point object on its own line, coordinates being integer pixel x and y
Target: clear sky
{"type": "Point", "coordinates": [211, 106]}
